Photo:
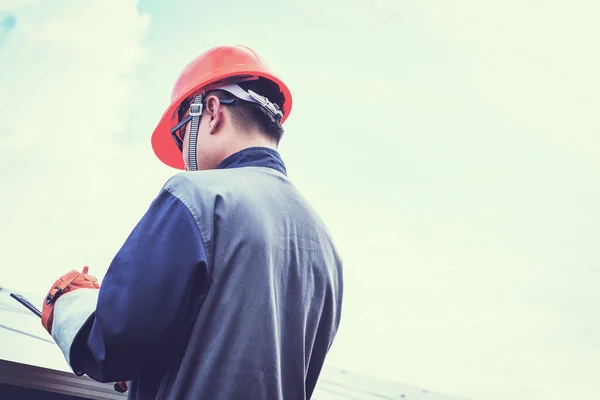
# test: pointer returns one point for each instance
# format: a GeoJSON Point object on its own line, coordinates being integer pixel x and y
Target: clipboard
{"type": "Point", "coordinates": [26, 303]}
{"type": "Point", "coordinates": [120, 386]}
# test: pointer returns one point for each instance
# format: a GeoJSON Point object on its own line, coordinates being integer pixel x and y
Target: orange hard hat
{"type": "Point", "coordinates": [211, 67]}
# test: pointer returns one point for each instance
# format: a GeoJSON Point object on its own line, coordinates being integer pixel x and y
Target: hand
{"type": "Point", "coordinates": [121, 386]}
{"type": "Point", "coordinates": [67, 283]}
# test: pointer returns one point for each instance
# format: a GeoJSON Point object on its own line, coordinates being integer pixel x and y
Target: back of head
{"type": "Point", "coordinates": [252, 117]}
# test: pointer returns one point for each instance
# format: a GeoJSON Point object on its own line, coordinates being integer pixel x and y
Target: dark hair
{"type": "Point", "coordinates": [246, 114]}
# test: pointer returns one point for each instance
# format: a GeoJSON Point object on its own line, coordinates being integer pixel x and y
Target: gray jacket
{"type": "Point", "coordinates": [248, 305]}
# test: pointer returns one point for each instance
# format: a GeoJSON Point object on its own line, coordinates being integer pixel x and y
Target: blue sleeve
{"type": "Point", "coordinates": [146, 296]}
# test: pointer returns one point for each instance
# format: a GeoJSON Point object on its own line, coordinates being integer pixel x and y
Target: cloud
{"type": "Point", "coordinates": [7, 24]}
{"type": "Point", "coordinates": [69, 177]}
{"type": "Point", "coordinates": [537, 60]}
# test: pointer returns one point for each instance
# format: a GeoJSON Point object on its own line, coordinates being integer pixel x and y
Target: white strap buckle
{"type": "Point", "coordinates": [194, 112]}
{"type": "Point", "coordinates": [196, 107]}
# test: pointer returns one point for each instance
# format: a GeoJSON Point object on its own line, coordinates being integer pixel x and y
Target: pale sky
{"type": "Point", "coordinates": [452, 148]}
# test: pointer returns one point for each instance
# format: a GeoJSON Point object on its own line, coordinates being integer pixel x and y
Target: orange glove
{"type": "Point", "coordinates": [67, 283]}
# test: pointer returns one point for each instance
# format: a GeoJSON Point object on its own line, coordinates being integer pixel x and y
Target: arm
{"type": "Point", "coordinates": [145, 297]}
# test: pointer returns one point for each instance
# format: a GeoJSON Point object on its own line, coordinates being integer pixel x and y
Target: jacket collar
{"type": "Point", "coordinates": [255, 157]}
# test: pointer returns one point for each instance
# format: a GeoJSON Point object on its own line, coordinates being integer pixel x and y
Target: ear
{"type": "Point", "coordinates": [214, 113]}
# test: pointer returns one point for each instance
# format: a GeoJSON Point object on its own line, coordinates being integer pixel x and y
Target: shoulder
{"type": "Point", "coordinates": [194, 187]}
{"type": "Point", "coordinates": [191, 190]}
{"type": "Point", "coordinates": [190, 184]}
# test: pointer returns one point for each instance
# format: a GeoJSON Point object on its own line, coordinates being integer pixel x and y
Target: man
{"type": "Point", "coordinates": [230, 286]}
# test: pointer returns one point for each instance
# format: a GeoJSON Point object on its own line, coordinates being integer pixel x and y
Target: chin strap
{"type": "Point", "coordinates": [195, 113]}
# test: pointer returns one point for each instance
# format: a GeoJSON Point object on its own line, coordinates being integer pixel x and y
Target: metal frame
{"type": "Point", "coordinates": [53, 381]}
